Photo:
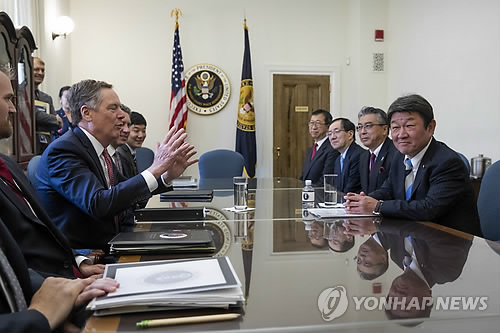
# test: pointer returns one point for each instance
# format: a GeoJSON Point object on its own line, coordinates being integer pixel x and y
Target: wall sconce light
{"type": "Point", "coordinates": [64, 26]}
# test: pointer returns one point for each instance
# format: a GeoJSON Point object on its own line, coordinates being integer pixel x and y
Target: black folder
{"type": "Point", "coordinates": [188, 195]}
{"type": "Point", "coordinates": [170, 214]}
{"type": "Point", "coordinates": [168, 241]}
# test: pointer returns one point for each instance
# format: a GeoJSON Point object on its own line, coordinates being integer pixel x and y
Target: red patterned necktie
{"type": "Point", "coordinates": [109, 167]}
{"type": "Point", "coordinates": [315, 147]}
{"type": "Point", "coordinates": [372, 160]}
{"type": "Point", "coordinates": [7, 178]}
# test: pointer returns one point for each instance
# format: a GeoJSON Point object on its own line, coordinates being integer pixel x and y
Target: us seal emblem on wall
{"type": "Point", "coordinates": [207, 89]}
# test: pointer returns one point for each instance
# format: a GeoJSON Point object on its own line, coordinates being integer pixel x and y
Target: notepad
{"type": "Point", "coordinates": [334, 212]}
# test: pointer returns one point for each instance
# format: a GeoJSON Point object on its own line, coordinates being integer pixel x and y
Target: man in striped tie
{"type": "Point", "coordinates": [76, 169]}
{"type": "Point", "coordinates": [428, 182]}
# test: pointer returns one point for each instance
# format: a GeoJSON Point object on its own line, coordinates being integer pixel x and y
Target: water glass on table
{"type": "Point", "coordinates": [240, 193]}
{"type": "Point", "coordinates": [330, 185]}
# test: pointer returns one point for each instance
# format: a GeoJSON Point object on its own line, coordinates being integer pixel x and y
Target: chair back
{"type": "Point", "coordinates": [144, 157]}
{"type": "Point", "coordinates": [488, 203]}
{"type": "Point", "coordinates": [32, 166]}
{"type": "Point", "coordinates": [466, 161]}
{"type": "Point", "coordinates": [221, 163]}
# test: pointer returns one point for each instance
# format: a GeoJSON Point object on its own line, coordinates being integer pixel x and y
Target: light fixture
{"type": "Point", "coordinates": [64, 26]}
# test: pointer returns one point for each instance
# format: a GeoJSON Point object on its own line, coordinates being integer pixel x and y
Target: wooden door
{"type": "Point", "coordinates": [295, 97]}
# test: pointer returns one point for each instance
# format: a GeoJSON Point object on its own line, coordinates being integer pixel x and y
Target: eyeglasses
{"type": "Point", "coordinates": [336, 132]}
{"type": "Point", "coordinates": [367, 126]}
{"type": "Point", "coordinates": [315, 123]}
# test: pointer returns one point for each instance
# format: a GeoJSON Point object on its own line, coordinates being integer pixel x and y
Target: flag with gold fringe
{"type": "Point", "coordinates": [178, 102]}
{"type": "Point", "coordinates": [245, 125]}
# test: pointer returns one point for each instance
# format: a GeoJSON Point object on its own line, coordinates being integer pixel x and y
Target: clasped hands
{"type": "Point", "coordinates": [172, 156]}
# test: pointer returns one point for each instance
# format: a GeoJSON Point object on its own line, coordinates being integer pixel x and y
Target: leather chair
{"type": "Point", "coordinates": [488, 203]}
{"type": "Point", "coordinates": [221, 163]}
{"type": "Point", "coordinates": [466, 161]}
{"type": "Point", "coordinates": [144, 157]}
{"type": "Point", "coordinates": [32, 166]}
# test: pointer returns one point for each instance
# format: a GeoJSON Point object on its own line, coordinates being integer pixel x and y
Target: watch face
{"type": "Point", "coordinates": [207, 89]}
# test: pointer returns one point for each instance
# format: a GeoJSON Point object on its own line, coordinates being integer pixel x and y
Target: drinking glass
{"type": "Point", "coordinates": [240, 193]}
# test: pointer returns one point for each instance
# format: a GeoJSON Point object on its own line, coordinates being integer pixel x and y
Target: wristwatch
{"type": "Point", "coordinates": [378, 207]}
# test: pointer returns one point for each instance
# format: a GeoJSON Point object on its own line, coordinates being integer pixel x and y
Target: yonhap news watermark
{"type": "Point", "coordinates": [333, 303]}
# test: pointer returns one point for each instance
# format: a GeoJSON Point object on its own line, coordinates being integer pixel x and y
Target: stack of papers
{"type": "Point", "coordinates": [170, 285]}
{"type": "Point", "coordinates": [169, 241]}
{"type": "Point", "coordinates": [334, 212]}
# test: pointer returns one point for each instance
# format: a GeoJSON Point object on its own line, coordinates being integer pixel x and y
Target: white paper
{"type": "Point", "coordinates": [167, 277]}
{"type": "Point", "coordinates": [333, 212]}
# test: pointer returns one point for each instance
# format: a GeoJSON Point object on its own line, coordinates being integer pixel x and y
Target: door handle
{"type": "Point", "coordinates": [278, 151]}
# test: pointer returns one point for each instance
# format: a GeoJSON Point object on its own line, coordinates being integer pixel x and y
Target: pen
{"type": "Point", "coordinates": [186, 320]}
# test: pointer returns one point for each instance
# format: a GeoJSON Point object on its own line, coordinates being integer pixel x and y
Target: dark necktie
{"type": "Point", "coordinates": [118, 162]}
{"type": "Point", "coordinates": [315, 147]}
{"type": "Point", "coordinates": [7, 178]}
{"type": "Point", "coordinates": [373, 157]}
{"type": "Point", "coordinates": [109, 167]}
{"type": "Point", "coordinates": [10, 285]}
{"type": "Point", "coordinates": [409, 179]}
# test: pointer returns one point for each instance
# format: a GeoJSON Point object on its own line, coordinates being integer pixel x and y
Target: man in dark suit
{"type": "Point", "coordinates": [135, 140]}
{"type": "Point", "coordinates": [30, 304]}
{"type": "Point", "coordinates": [342, 138]}
{"type": "Point", "coordinates": [374, 164]}
{"type": "Point", "coordinates": [79, 185]}
{"type": "Point", "coordinates": [321, 157]}
{"type": "Point", "coordinates": [428, 182]}
{"type": "Point", "coordinates": [45, 248]}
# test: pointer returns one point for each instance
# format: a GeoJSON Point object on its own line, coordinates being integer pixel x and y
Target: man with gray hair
{"type": "Point", "coordinates": [78, 182]}
{"type": "Point", "coordinates": [374, 164]}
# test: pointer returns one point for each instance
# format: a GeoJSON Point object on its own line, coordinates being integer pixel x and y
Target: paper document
{"type": "Point", "coordinates": [168, 277]}
{"type": "Point", "coordinates": [334, 212]}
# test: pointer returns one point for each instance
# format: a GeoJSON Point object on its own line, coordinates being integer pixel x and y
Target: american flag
{"type": "Point", "coordinates": [178, 106]}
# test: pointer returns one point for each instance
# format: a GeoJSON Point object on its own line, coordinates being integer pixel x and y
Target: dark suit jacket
{"type": "Point", "coordinates": [129, 165]}
{"type": "Point", "coordinates": [45, 248]}
{"type": "Point", "coordinates": [73, 188]}
{"type": "Point", "coordinates": [441, 193]}
{"type": "Point", "coordinates": [441, 256]}
{"type": "Point", "coordinates": [322, 163]}
{"type": "Point", "coordinates": [24, 321]}
{"type": "Point", "coordinates": [371, 181]}
{"type": "Point", "coordinates": [349, 177]}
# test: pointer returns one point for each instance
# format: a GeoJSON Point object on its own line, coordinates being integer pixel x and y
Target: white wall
{"type": "Point", "coordinates": [449, 52]}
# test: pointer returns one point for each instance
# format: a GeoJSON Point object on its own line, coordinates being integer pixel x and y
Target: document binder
{"type": "Point", "coordinates": [170, 214]}
{"type": "Point", "coordinates": [188, 195]}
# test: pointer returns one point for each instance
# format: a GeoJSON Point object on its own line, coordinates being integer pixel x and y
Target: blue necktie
{"type": "Point", "coordinates": [341, 163]}
{"type": "Point", "coordinates": [409, 178]}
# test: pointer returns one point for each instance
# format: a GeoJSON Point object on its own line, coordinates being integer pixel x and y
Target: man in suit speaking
{"type": "Point", "coordinates": [428, 182]}
{"type": "Point", "coordinates": [79, 184]}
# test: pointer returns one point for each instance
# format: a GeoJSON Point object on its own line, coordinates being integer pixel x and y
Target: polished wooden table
{"type": "Point", "coordinates": [285, 263]}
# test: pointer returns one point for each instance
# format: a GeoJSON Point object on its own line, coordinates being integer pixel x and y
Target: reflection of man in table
{"type": "Point", "coordinates": [315, 234]}
{"type": "Point", "coordinates": [372, 259]}
{"type": "Point", "coordinates": [338, 241]}
{"type": "Point", "coordinates": [46, 118]}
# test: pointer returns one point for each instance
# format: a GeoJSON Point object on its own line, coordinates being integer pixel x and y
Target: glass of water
{"type": "Point", "coordinates": [240, 193]}
{"type": "Point", "coordinates": [330, 189]}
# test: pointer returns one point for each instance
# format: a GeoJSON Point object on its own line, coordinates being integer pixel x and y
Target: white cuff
{"type": "Point", "coordinates": [82, 260]}
{"type": "Point", "coordinates": [150, 180]}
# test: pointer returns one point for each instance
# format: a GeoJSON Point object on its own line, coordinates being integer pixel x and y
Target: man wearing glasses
{"type": "Point", "coordinates": [374, 165]}
{"type": "Point", "coordinates": [428, 181]}
{"type": "Point", "coordinates": [342, 138]}
{"type": "Point", "coordinates": [321, 157]}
